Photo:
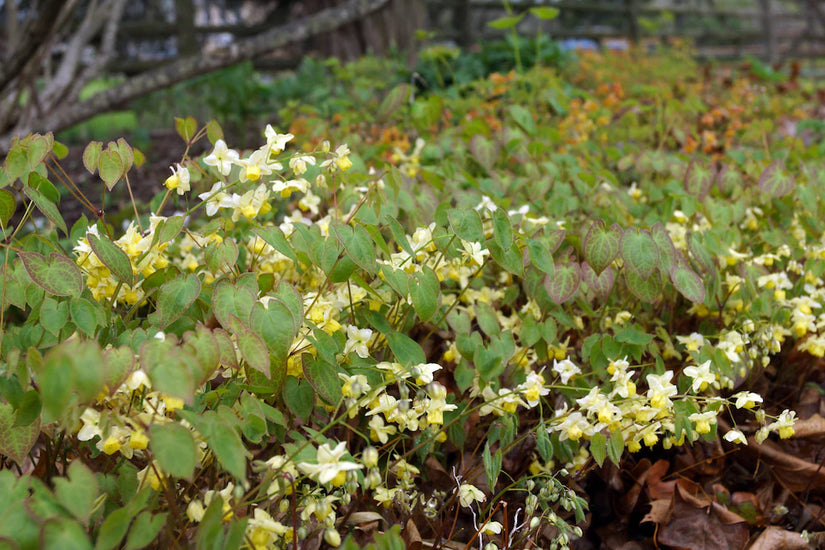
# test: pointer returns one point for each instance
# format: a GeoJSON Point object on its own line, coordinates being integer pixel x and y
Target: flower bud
{"type": "Point", "coordinates": [369, 457]}
{"type": "Point", "coordinates": [332, 537]}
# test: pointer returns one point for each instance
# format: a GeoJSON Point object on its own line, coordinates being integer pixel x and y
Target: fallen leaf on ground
{"type": "Point", "coordinates": [774, 538]}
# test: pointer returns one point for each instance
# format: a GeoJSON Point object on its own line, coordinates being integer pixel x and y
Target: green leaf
{"type": "Point", "coordinates": [113, 529]}
{"type": "Point", "coordinates": [174, 449]}
{"type": "Point", "coordinates": [700, 253]}
{"type": "Point", "coordinates": [639, 252]}
{"type": "Point", "coordinates": [170, 229]}
{"type": "Point", "coordinates": [492, 465]}
{"type": "Point", "coordinates": [28, 410]}
{"type": "Point", "coordinates": [275, 324]}
{"type": "Point", "coordinates": [323, 378]}
{"type": "Point", "coordinates": [630, 335]}
{"type": "Point", "coordinates": [274, 237]}
{"type": "Point", "coordinates": [601, 245]}
{"type": "Point", "coordinates": [776, 180]}
{"type": "Point", "coordinates": [687, 282]}
{"type": "Point", "coordinates": [87, 315]}
{"type": "Point", "coordinates": [563, 284]}
{"type": "Point", "coordinates": [543, 444]}
{"type": "Point", "coordinates": [485, 151]}
{"type": "Point", "coordinates": [540, 256]}
{"type": "Point", "coordinates": [466, 224]}
{"type": "Point", "coordinates": [729, 179]}
{"type": "Point", "coordinates": [125, 153]}
{"type": "Point", "coordinates": [396, 97]}
{"type": "Point", "coordinates": [601, 284]}
{"type": "Point", "coordinates": [8, 205]}
{"type": "Point", "coordinates": [299, 397]}
{"type": "Point", "coordinates": [221, 256]}
{"type": "Point", "coordinates": [54, 315]}
{"type": "Point", "coordinates": [225, 441]}
{"type": "Point", "coordinates": [174, 298]}
{"type": "Point", "coordinates": [186, 128]}
{"type": "Point", "coordinates": [398, 235]}
{"type": "Point", "coordinates": [112, 257]}
{"type": "Point", "coordinates": [57, 275]}
{"type": "Point", "coordinates": [545, 13]}
{"type": "Point", "coordinates": [77, 493]}
{"type": "Point", "coordinates": [647, 290]}
{"type": "Point", "coordinates": [615, 447]}
{"type": "Point", "coordinates": [45, 187]}
{"type": "Point", "coordinates": [598, 447]}
{"type": "Point", "coordinates": [16, 441]}
{"type": "Point", "coordinates": [523, 118]}
{"type": "Point", "coordinates": [39, 147]}
{"type": "Point", "coordinates": [91, 155]}
{"type": "Point", "coordinates": [510, 259]}
{"type": "Point", "coordinates": [488, 362]}
{"type": "Point", "coordinates": [60, 150]}
{"type": "Point", "coordinates": [487, 319]}
{"type": "Point", "coordinates": [229, 299]}
{"type": "Point", "coordinates": [46, 207]}
{"type": "Point", "coordinates": [502, 229]}
{"type": "Point", "coordinates": [16, 162]}
{"type": "Point", "coordinates": [144, 530]}
{"type": "Point", "coordinates": [406, 350]}
{"type": "Point", "coordinates": [358, 245]}
{"type": "Point", "coordinates": [424, 292]}
{"type": "Point", "coordinates": [119, 364]}
{"type": "Point", "coordinates": [169, 372]}
{"type": "Point", "coordinates": [664, 244]}
{"type": "Point", "coordinates": [110, 166]}
{"type": "Point", "coordinates": [699, 178]}
{"type": "Point", "coordinates": [252, 347]}
{"type": "Point", "coordinates": [506, 22]}
{"type": "Point", "coordinates": [64, 534]}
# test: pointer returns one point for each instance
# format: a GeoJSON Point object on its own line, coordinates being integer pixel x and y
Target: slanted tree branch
{"type": "Point", "coordinates": [196, 65]}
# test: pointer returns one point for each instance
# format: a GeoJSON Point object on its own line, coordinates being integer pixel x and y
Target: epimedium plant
{"type": "Point", "coordinates": [292, 346]}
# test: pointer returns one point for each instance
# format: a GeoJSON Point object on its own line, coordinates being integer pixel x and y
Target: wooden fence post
{"type": "Point", "coordinates": [461, 22]}
{"type": "Point", "coordinates": [633, 20]}
{"type": "Point", "coordinates": [768, 31]}
{"type": "Point", "coordinates": [185, 21]}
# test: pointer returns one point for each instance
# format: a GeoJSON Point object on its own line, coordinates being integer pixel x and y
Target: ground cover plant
{"type": "Point", "coordinates": [540, 310]}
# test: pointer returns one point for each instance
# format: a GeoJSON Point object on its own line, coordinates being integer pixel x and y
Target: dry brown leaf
{"type": "Point", "coordinates": [692, 494]}
{"type": "Point", "coordinates": [660, 511]}
{"type": "Point", "coordinates": [809, 427]}
{"type": "Point", "coordinates": [795, 473]}
{"type": "Point", "coordinates": [726, 516]}
{"type": "Point", "coordinates": [656, 488]}
{"type": "Point", "coordinates": [696, 529]}
{"type": "Point", "coordinates": [639, 474]}
{"type": "Point", "coordinates": [774, 538]}
{"type": "Point", "coordinates": [412, 539]}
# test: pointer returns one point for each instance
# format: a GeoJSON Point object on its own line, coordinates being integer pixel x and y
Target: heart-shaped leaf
{"type": "Point", "coordinates": [16, 441]}
{"type": "Point", "coordinates": [699, 178]}
{"type": "Point", "coordinates": [46, 207]}
{"type": "Point", "coordinates": [688, 283]}
{"type": "Point", "coordinates": [639, 252]}
{"type": "Point", "coordinates": [647, 290]}
{"type": "Point", "coordinates": [564, 282]}
{"type": "Point", "coordinates": [7, 206]}
{"type": "Point", "coordinates": [110, 166]}
{"type": "Point", "coordinates": [601, 245]}
{"type": "Point", "coordinates": [57, 274]}
{"type": "Point", "coordinates": [91, 155]}
{"type": "Point", "coordinates": [112, 257]}
{"type": "Point", "coordinates": [776, 180]}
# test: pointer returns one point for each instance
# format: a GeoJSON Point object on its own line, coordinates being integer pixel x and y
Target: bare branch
{"type": "Point", "coordinates": [195, 65]}
{"type": "Point", "coordinates": [31, 38]}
